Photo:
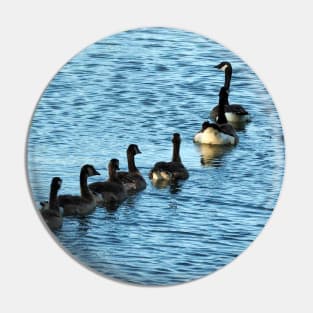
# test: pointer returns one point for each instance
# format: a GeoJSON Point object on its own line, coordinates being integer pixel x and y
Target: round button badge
{"type": "Point", "coordinates": [155, 156]}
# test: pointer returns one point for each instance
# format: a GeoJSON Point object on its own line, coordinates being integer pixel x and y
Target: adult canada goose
{"type": "Point", "coordinates": [219, 133]}
{"type": "Point", "coordinates": [50, 211]}
{"type": "Point", "coordinates": [170, 171]}
{"type": "Point", "coordinates": [112, 190]}
{"type": "Point", "coordinates": [87, 201]}
{"type": "Point", "coordinates": [235, 113]}
{"type": "Point", "coordinates": [133, 176]}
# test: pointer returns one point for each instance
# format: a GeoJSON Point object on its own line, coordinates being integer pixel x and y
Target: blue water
{"type": "Point", "coordinates": [141, 86]}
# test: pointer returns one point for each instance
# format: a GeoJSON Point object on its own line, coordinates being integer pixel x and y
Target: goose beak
{"type": "Point", "coordinates": [138, 151]}
{"type": "Point", "coordinates": [97, 173]}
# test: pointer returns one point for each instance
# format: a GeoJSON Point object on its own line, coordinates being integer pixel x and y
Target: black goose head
{"type": "Point", "coordinates": [133, 149]}
{"type": "Point", "coordinates": [205, 125]}
{"type": "Point", "coordinates": [56, 183]}
{"type": "Point", "coordinates": [114, 164]}
{"type": "Point", "coordinates": [89, 170]}
{"type": "Point", "coordinates": [223, 66]}
{"type": "Point", "coordinates": [176, 138]}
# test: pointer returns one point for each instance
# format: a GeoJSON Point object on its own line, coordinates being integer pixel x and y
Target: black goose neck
{"type": "Point", "coordinates": [176, 157]}
{"type": "Point", "coordinates": [228, 75]}
{"type": "Point", "coordinates": [131, 162]}
{"type": "Point", "coordinates": [84, 190]}
{"type": "Point", "coordinates": [53, 202]}
{"type": "Point", "coordinates": [221, 118]}
{"type": "Point", "coordinates": [112, 174]}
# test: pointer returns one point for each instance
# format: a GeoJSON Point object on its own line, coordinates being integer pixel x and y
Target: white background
{"type": "Point", "coordinates": [274, 38]}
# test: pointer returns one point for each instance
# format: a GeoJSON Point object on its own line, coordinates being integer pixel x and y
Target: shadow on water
{"type": "Point", "coordinates": [212, 155]}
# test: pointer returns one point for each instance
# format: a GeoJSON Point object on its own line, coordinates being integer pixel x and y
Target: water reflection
{"type": "Point", "coordinates": [84, 223]}
{"type": "Point", "coordinates": [174, 186]}
{"type": "Point", "coordinates": [211, 155]}
{"type": "Point", "coordinates": [131, 201]}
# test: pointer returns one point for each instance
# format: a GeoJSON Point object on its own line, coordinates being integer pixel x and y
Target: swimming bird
{"type": "Point", "coordinates": [132, 179]}
{"type": "Point", "coordinates": [112, 190]}
{"type": "Point", "coordinates": [50, 211]}
{"type": "Point", "coordinates": [87, 201]}
{"type": "Point", "coordinates": [221, 132]}
{"type": "Point", "coordinates": [170, 171]}
{"type": "Point", "coordinates": [234, 113]}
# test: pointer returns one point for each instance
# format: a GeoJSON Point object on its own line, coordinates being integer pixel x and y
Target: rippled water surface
{"type": "Point", "coordinates": [140, 87]}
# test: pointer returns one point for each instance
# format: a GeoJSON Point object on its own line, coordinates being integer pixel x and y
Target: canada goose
{"type": "Point", "coordinates": [111, 190]}
{"type": "Point", "coordinates": [133, 175]}
{"type": "Point", "coordinates": [170, 171]}
{"type": "Point", "coordinates": [50, 211]}
{"type": "Point", "coordinates": [86, 202]}
{"type": "Point", "coordinates": [235, 113]}
{"type": "Point", "coordinates": [219, 133]}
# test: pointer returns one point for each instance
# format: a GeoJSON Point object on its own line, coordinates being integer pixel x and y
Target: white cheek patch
{"type": "Point", "coordinates": [224, 67]}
